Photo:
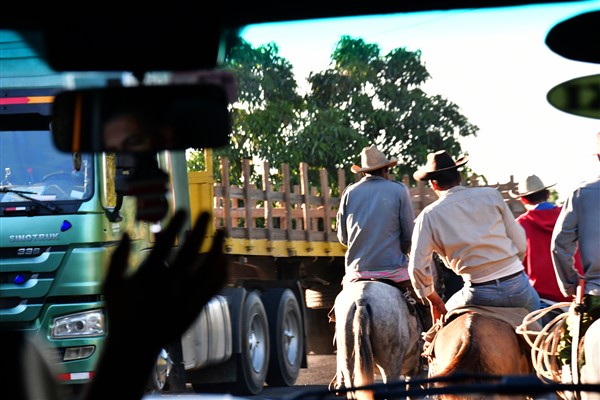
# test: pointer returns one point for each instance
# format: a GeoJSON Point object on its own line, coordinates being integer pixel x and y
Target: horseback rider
{"type": "Point", "coordinates": [538, 221]}
{"type": "Point", "coordinates": [375, 221]}
{"type": "Point", "coordinates": [476, 235]}
{"type": "Point", "coordinates": [578, 227]}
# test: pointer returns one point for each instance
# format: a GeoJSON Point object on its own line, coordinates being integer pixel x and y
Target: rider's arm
{"type": "Point", "coordinates": [420, 260]}
{"type": "Point", "coordinates": [438, 308]}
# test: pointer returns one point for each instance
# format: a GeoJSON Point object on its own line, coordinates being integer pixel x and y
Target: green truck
{"type": "Point", "coordinates": [63, 213]}
{"type": "Point", "coordinates": [59, 223]}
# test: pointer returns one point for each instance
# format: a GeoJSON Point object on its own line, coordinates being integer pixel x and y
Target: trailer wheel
{"type": "Point", "coordinates": [253, 361]}
{"type": "Point", "coordinates": [322, 297]}
{"type": "Point", "coordinates": [286, 332]}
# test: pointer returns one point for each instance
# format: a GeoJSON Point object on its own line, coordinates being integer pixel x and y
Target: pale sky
{"type": "Point", "coordinates": [492, 63]}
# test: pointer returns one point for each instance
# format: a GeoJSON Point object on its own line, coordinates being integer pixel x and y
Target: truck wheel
{"type": "Point", "coordinates": [287, 337]}
{"type": "Point", "coordinates": [160, 372]}
{"type": "Point", "coordinates": [253, 361]}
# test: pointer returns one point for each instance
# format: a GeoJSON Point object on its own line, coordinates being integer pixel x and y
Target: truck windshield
{"type": "Point", "coordinates": [32, 169]}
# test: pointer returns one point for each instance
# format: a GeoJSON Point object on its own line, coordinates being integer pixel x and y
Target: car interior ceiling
{"type": "Point", "coordinates": [176, 40]}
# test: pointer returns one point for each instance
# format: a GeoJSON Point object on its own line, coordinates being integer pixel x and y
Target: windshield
{"type": "Point", "coordinates": [32, 169]}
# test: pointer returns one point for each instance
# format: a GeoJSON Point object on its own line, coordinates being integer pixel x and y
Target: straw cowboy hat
{"type": "Point", "coordinates": [371, 158]}
{"type": "Point", "coordinates": [531, 185]}
{"type": "Point", "coordinates": [436, 162]}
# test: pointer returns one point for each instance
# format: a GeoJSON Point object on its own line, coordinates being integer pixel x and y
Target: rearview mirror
{"type": "Point", "coordinates": [141, 119]}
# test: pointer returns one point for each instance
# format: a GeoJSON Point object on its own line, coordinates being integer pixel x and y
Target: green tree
{"type": "Point", "coordinates": [364, 97]}
{"type": "Point", "coordinates": [267, 110]}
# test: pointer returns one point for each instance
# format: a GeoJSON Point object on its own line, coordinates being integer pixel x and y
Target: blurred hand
{"type": "Point", "coordinates": [154, 305]}
{"type": "Point", "coordinates": [158, 302]}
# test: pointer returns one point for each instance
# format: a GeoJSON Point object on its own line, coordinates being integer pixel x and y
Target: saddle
{"type": "Point", "coordinates": [411, 300]}
{"type": "Point", "coordinates": [514, 316]}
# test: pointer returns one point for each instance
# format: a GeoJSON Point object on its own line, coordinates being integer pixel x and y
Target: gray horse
{"type": "Point", "coordinates": [374, 326]}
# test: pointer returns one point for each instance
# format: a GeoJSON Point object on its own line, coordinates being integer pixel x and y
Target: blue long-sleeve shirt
{"type": "Point", "coordinates": [375, 221]}
{"type": "Point", "coordinates": [578, 225]}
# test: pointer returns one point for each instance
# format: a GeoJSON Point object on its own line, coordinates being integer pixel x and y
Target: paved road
{"type": "Point", "coordinates": [318, 375]}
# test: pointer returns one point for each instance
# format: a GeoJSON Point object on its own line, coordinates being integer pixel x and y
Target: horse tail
{"type": "Point", "coordinates": [363, 351]}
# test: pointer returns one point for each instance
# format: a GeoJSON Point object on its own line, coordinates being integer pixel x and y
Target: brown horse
{"type": "Point", "coordinates": [479, 341]}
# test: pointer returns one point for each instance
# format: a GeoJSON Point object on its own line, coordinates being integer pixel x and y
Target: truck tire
{"type": "Point", "coordinates": [286, 332]}
{"type": "Point", "coordinates": [253, 361]}
{"type": "Point", "coordinates": [160, 372]}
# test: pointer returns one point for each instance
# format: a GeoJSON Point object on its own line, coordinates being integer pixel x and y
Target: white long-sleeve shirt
{"type": "Point", "coordinates": [474, 232]}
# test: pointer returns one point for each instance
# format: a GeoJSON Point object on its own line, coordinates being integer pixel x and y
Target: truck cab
{"type": "Point", "coordinates": [61, 217]}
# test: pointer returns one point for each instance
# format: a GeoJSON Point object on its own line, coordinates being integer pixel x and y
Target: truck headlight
{"type": "Point", "coordinates": [90, 323]}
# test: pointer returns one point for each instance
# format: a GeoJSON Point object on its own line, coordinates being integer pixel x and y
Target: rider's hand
{"type": "Point", "coordinates": [438, 308]}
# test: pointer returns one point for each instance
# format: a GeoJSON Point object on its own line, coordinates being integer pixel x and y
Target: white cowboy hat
{"type": "Point", "coordinates": [371, 158]}
{"type": "Point", "coordinates": [531, 185]}
{"type": "Point", "coordinates": [436, 162]}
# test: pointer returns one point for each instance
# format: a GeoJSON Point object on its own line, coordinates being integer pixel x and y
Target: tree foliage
{"type": "Point", "coordinates": [363, 97]}
{"type": "Point", "coordinates": [268, 106]}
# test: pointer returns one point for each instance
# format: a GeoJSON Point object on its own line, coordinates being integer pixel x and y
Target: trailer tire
{"type": "Point", "coordinates": [321, 297]}
{"type": "Point", "coordinates": [286, 332]}
{"type": "Point", "coordinates": [253, 361]}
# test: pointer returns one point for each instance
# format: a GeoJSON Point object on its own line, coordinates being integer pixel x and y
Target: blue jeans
{"type": "Point", "coordinates": [514, 292]}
